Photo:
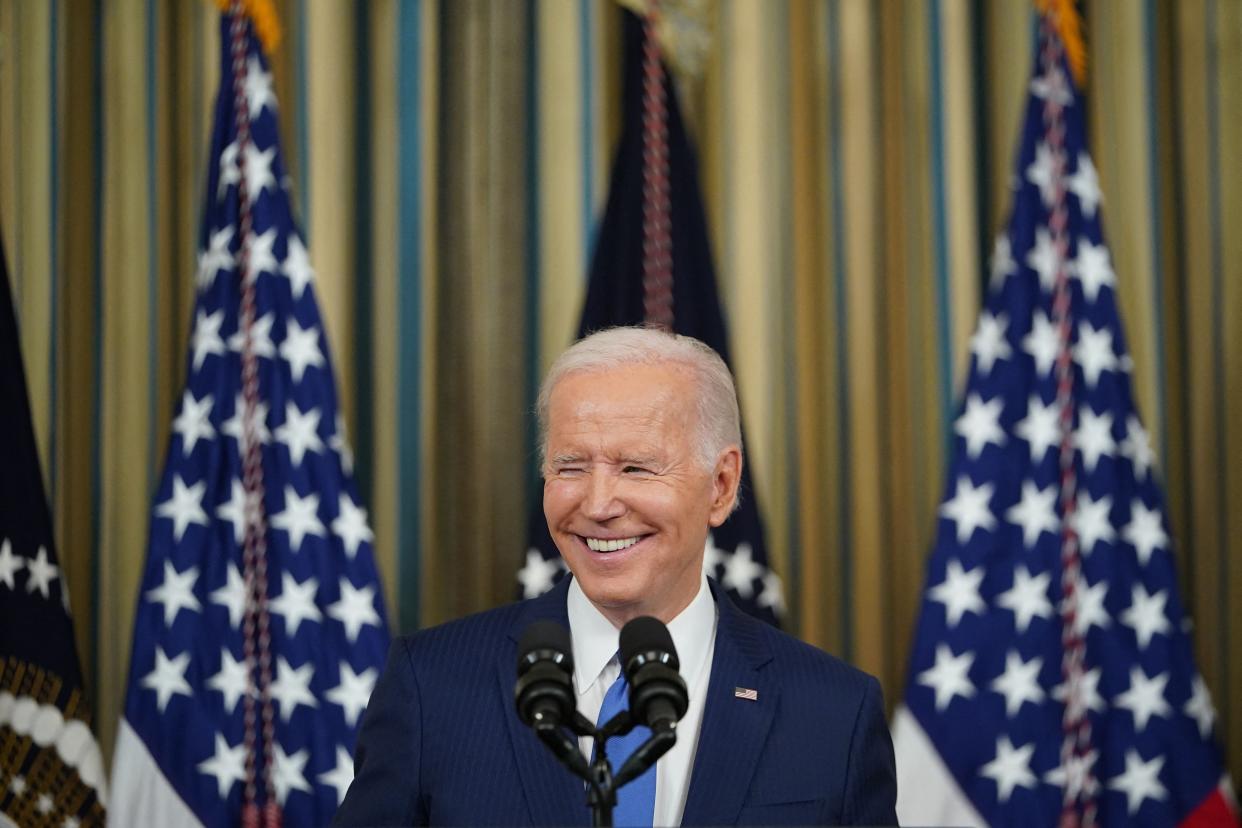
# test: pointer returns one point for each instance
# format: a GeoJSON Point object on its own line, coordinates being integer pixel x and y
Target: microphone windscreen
{"type": "Point", "coordinates": [644, 635]}
{"type": "Point", "coordinates": [545, 636]}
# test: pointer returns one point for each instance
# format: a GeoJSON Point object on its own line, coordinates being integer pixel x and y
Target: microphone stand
{"type": "Point", "coordinates": [602, 783]}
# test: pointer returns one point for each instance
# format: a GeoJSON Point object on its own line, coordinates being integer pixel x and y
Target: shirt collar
{"type": "Point", "coordinates": [595, 638]}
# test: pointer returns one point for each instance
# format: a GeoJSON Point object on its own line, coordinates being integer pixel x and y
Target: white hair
{"type": "Point", "coordinates": [719, 423]}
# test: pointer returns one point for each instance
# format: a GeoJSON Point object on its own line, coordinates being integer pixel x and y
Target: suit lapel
{"type": "Point", "coordinates": [734, 730]}
{"type": "Point", "coordinates": [554, 796]}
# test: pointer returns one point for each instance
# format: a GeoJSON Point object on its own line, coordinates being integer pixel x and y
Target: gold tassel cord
{"type": "Point", "coordinates": [1064, 17]}
{"type": "Point", "coordinates": [262, 14]}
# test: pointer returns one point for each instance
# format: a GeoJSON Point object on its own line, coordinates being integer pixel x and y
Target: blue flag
{"type": "Point", "coordinates": [1052, 676]}
{"type": "Point", "coordinates": [184, 753]}
{"type": "Point", "coordinates": [736, 553]}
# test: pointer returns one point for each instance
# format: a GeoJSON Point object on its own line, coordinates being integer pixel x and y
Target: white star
{"type": "Point", "coordinates": [340, 444]}
{"type": "Point", "coordinates": [233, 510]}
{"type": "Point", "coordinates": [1145, 531]}
{"type": "Point", "coordinates": [741, 571]}
{"type": "Point", "coordinates": [1080, 694]}
{"type": "Point", "coordinates": [260, 338]}
{"type": "Point", "coordinates": [1019, 683]}
{"type": "Point", "coordinates": [45, 804]}
{"type": "Point", "coordinates": [1094, 352]}
{"type": "Point", "coordinates": [1040, 428]}
{"type": "Point", "coordinates": [258, 86]}
{"type": "Point", "coordinates": [259, 172]}
{"type": "Point", "coordinates": [980, 424]}
{"type": "Point", "coordinates": [232, 596]}
{"type": "Point", "coordinates": [228, 765]}
{"type": "Point", "coordinates": [1145, 698]}
{"type": "Point", "coordinates": [1035, 512]}
{"type": "Point", "coordinates": [969, 508]}
{"type": "Point", "coordinates": [1093, 269]}
{"type": "Point", "coordinates": [1027, 598]}
{"type": "Point", "coordinates": [1042, 343]}
{"type": "Point", "coordinates": [10, 564]}
{"type": "Point", "coordinates": [1011, 768]}
{"type": "Point", "coordinates": [1090, 611]}
{"type": "Point", "coordinates": [341, 776]}
{"type": "Point", "coordinates": [176, 592]}
{"type": "Point", "coordinates": [300, 432]}
{"type": "Point", "coordinates": [948, 678]}
{"type": "Point", "coordinates": [1002, 261]}
{"type": "Point", "coordinates": [1137, 447]}
{"type": "Point", "coordinates": [1140, 781]}
{"type": "Point", "coordinates": [354, 691]}
{"type": "Point", "coordinates": [296, 602]}
{"type": "Point", "coordinates": [292, 687]}
{"type": "Point", "coordinates": [288, 772]}
{"type": "Point", "coordinates": [299, 518]}
{"type": "Point", "coordinates": [1199, 706]}
{"type": "Point", "coordinates": [193, 421]}
{"type": "Point", "coordinates": [301, 349]}
{"type": "Point", "coordinates": [1040, 172]}
{"type": "Point", "coordinates": [1052, 87]}
{"type": "Point", "coordinates": [988, 342]}
{"type": "Point", "coordinates": [234, 425]}
{"type": "Point", "coordinates": [233, 680]}
{"type": "Point", "coordinates": [206, 339]}
{"type": "Point", "coordinates": [184, 506]}
{"type": "Point", "coordinates": [1146, 614]}
{"type": "Point", "coordinates": [1075, 777]}
{"type": "Point", "coordinates": [1094, 437]}
{"type": "Point", "coordinates": [229, 174]}
{"type": "Point", "coordinates": [296, 267]}
{"type": "Point", "coordinates": [536, 577]}
{"type": "Point", "coordinates": [355, 608]}
{"type": "Point", "coordinates": [350, 525]}
{"type": "Point", "coordinates": [1043, 259]}
{"type": "Point", "coordinates": [71, 822]}
{"type": "Point", "coordinates": [41, 574]}
{"type": "Point", "coordinates": [262, 258]}
{"type": "Point", "coordinates": [959, 592]}
{"type": "Point", "coordinates": [216, 256]}
{"type": "Point", "coordinates": [1090, 521]}
{"type": "Point", "coordinates": [168, 677]}
{"type": "Point", "coordinates": [18, 785]}
{"type": "Point", "coordinates": [1085, 184]}
{"type": "Point", "coordinates": [773, 594]}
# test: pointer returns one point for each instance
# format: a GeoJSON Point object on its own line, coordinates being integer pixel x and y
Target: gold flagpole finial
{"type": "Point", "coordinates": [262, 14]}
{"type": "Point", "coordinates": [1065, 19]}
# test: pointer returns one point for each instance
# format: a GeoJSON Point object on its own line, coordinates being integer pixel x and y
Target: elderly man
{"type": "Point", "coordinates": [641, 456]}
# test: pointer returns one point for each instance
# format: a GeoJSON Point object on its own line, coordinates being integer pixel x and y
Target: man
{"type": "Point", "coordinates": [641, 456]}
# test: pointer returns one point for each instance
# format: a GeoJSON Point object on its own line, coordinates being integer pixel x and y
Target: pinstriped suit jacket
{"type": "Point", "coordinates": [441, 743]}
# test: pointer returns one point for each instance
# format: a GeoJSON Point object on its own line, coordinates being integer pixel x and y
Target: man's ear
{"type": "Point", "coordinates": [726, 477]}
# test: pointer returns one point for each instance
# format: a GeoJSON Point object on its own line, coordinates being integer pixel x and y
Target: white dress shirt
{"type": "Point", "coordinates": [596, 668]}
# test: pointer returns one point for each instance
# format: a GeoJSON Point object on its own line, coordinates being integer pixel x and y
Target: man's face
{"type": "Point", "coordinates": [625, 495]}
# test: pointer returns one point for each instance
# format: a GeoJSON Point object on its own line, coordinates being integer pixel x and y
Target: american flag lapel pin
{"type": "Point", "coordinates": [745, 693]}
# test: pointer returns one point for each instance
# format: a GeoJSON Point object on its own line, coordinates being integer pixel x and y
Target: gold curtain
{"type": "Point", "coordinates": [449, 162]}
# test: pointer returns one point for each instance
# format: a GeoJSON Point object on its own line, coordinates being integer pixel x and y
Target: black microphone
{"type": "Point", "coordinates": [658, 696]}
{"type": "Point", "coordinates": [544, 693]}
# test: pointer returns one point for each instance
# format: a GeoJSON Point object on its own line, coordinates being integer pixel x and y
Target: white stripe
{"type": "Point", "coordinates": [927, 793]}
{"type": "Point", "coordinates": [140, 793]}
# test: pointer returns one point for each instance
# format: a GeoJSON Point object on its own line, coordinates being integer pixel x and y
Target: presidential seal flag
{"type": "Point", "coordinates": [51, 772]}
{"type": "Point", "coordinates": [1052, 678]}
{"type": "Point", "coordinates": [652, 265]}
{"type": "Point", "coordinates": [260, 629]}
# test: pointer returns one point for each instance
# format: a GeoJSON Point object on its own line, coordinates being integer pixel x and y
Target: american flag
{"type": "Point", "coordinates": [223, 709]}
{"type": "Point", "coordinates": [735, 553]}
{"type": "Point", "coordinates": [1052, 676]}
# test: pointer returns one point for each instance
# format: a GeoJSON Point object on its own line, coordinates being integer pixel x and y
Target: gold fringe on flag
{"type": "Point", "coordinates": [1064, 17]}
{"type": "Point", "coordinates": [262, 14]}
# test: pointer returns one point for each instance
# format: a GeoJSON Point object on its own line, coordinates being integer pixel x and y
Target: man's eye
{"type": "Point", "coordinates": [569, 470]}
{"type": "Point", "coordinates": [635, 470]}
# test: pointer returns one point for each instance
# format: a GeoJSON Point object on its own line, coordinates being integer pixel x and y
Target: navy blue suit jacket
{"type": "Point", "coordinates": [441, 743]}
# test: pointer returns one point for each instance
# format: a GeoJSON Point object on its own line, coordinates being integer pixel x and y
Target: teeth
{"type": "Point", "coordinates": [600, 545]}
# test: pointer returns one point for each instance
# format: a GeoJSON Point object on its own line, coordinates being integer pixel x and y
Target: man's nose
{"type": "Point", "coordinates": [601, 502]}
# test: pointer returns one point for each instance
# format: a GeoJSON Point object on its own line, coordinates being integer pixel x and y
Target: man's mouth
{"type": "Point", "coordinates": [610, 544]}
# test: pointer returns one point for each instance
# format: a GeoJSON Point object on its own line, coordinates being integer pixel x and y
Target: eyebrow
{"type": "Point", "coordinates": [565, 458]}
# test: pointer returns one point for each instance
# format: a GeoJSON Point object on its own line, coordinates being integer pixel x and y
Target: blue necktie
{"type": "Point", "coordinates": [636, 801]}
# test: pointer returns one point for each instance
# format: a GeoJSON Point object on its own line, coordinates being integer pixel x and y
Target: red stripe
{"type": "Point", "coordinates": [1216, 810]}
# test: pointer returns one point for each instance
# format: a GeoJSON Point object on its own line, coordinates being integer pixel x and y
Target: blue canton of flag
{"type": "Point", "coordinates": [979, 739]}
{"type": "Point", "coordinates": [181, 756]}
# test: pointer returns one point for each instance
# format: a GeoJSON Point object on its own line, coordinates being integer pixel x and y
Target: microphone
{"type": "Point", "coordinates": [544, 693]}
{"type": "Point", "coordinates": [658, 697]}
